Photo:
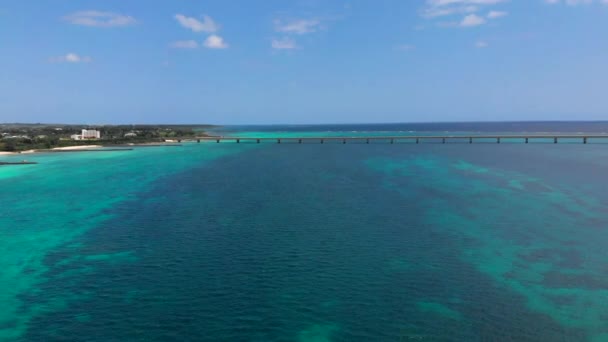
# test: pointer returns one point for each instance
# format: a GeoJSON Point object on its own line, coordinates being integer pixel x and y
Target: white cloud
{"type": "Point", "coordinates": [215, 42]}
{"type": "Point", "coordinates": [465, 2]}
{"type": "Point", "coordinates": [433, 12]}
{"type": "Point", "coordinates": [576, 2]}
{"type": "Point", "coordinates": [284, 44]}
{"type": "Point", "coordinates": [497, 14]}
{"type": "Point", "coordinates": [71, 58]}
{"type": "Point", "coordinates": [184, 44]}
{"type": "Point", "coordinates": [99, 19]}
{"type": "Point", "coordinates": [440, 8]}
{"type": "Point", "coordinates": [298, 26]}
{"type": "Point", "coordinates": [481, 44]}
{"type": "Point", "coordinates": [207, 25]}
{"type": "Point", "coordinates": [472, 20]}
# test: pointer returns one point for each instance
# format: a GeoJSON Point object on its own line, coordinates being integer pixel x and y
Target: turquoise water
{"type": "Point", "coordinates": [247, 242]}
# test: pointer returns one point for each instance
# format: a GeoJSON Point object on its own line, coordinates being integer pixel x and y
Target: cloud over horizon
{"type": "Point", "coordinates": [71, 58]}
{"type": "Point", "coordinates": [99, 19]}
{"type": "Point", "coordinates": [284, 43]}
{"type": "Point", "coordinates": [207, 25]}
{"type": "Point", "coordinates": [472, 20]}
{"type": "Point", "coordinates": [297, 26]}
{"type": "Point", "coordinates": [293, 27]}
{"type": "Point", "coordinates": [440, 8]}
{"type": "Point", "coordinates": [497, 14]}
{"type": "Point", "coordinates": [215, 42]}
{"type": "Point", "coordinates": [576, 2]}
{"type": "Point", "coordinates": [469, 10]}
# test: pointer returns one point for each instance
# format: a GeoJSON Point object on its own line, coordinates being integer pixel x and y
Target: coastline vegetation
{"type": "Point", "coordinates": [23, 137]}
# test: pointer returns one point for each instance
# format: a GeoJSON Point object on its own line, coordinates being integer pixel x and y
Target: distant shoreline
{"type": "Point", "coordinates": [84, 148]}
{"type": "Point", "coordinates": [37, 137]}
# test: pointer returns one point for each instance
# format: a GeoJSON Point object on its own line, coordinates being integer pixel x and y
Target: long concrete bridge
{"type": "Point", "coordinates": [443, 139]}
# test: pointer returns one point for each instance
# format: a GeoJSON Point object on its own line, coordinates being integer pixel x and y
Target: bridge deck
{"type": "Point", "coordinates": [418, 138]}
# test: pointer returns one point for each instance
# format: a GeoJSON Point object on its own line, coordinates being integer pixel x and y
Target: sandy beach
{"type": "Point", "coordinates": [82, 147]}
{"type": "Point", "coordinates": [13, 153]}
{"type": "Point", "coordinates": [68, 148]}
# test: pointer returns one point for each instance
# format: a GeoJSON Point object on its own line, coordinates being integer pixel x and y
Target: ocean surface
{"type": "Point", "coordinates": [310, 242]}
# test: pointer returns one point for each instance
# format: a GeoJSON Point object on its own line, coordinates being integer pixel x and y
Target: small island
{"type": "Point", "coordinates": [16, 138]}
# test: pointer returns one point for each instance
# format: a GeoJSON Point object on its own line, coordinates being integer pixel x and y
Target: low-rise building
{"type": "Point", "coordinates": [87, 134]}
{"type": "Point", "coordinates": [91, 134]}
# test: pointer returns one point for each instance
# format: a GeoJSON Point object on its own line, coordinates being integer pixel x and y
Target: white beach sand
{"type": "Point", "coordinates": [2, 153]}
{"type": "Point", "coordinates": [77, 147]}
{"type": "Point", "coordinates": [15, 153]}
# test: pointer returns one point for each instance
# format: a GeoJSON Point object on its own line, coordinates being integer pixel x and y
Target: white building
{"type": "Point", "coordinates": [87, 134]}
{"type": "Point", "coordinates": [91, 134]}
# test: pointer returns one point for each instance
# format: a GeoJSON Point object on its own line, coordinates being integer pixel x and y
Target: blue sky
{"type": "Point", "coordinates": [302, 61]}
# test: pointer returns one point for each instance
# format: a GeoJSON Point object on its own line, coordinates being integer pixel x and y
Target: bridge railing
{"type": "Point", "coordinates": [443, 139]}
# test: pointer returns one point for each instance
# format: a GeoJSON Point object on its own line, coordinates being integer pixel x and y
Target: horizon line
{"type": "Point", "coordinates": [306, 124]}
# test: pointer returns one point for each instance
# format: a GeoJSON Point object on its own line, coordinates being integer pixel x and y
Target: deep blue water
{"type": "Point", "coordinates": [479, 127]}
{"type": "Point", "coordinates": [242, 242]}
